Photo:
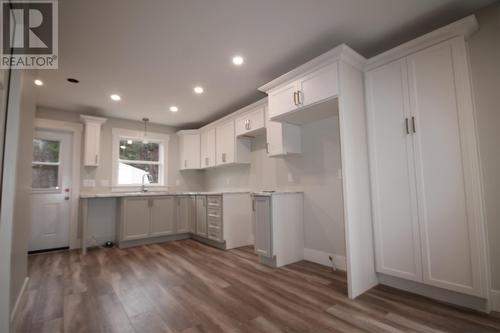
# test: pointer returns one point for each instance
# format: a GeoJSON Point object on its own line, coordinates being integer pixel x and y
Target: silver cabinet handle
{"type": "Point", "coordinates": [414, 128]}
{"type": "Point", "coordinates": [407, 126]}
{"type": "Point", "coordinates": [253, 204]}
{"type": "Point", "coordinates": [295, 97]}
{"type": "Point", "coordinates": [206, 160]}
{"type": "Point", "coordinates": [224, 157]}
{"type": "Point", "coordinates": [249, 126]}
{"type": "Point", "coordinates": [299, 101]}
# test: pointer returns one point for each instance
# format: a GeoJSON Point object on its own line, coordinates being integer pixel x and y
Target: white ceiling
{"type": "Point", "coordinates": [153, 52]}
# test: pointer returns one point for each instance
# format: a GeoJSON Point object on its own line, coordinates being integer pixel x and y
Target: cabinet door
{"type": "Point", "coordinates": [263, 226]}
{"type": "Point", "coordinates": [184, 216]}
{"type": "Point", "coordinates": [162, 215]}
{"type": "Point", "coordinates": [135, 218]}
{"type": "Point", "coordinates": [190, 151]}
{"type": "Point", "coordinates": [282, 138]}
{"type": "Point", "coordinates": [281, 100]}
{"type": "Point", "coordinates": [394, 201]}
{"type": "Point", "coordinates": [250, 122]}
{"type": "Point", "coordinates": [225, 143]}
{"type": "Point", "coordinates": [201, 215]}
{"type": "Point", "coordinates": [444, 130]}
{"type": "Point", "coordinates": [92, 144]}
{"type": "Point", "coordinates": [208, 148]}
{"type": "Point", "coordinates": [319, 85]}
{"type": "Point", "coordinates": [191, 203]}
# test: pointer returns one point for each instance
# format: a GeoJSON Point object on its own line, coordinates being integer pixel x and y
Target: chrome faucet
{"type": "Point", "coordinates": [144, 188]}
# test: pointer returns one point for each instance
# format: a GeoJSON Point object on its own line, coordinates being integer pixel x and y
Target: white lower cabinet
{"type": "Point", "coordinates": [136, 217]}
{"type": "Point", "coordinates": [186, 214]}
{"type": "Point", "coordinates": [279, 230]}
{"type": "Point", "coordinates": [424, 170]}
{"type": "Point", "coordinates": [163, 215]}
{"type": "Point", "coordinates": [201, 215]}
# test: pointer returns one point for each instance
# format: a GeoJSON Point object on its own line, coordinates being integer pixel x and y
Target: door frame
{"type": "Point", "coordinates": [76, 129]}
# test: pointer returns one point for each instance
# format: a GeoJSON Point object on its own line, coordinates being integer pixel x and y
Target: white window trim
{"type": "Point", "coordinates": [119, 133]}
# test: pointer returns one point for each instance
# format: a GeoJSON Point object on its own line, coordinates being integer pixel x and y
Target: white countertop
{"type": "Point", "coordinates": [161, 193]}
{"type": "Point", "coordinates": [152, 193]}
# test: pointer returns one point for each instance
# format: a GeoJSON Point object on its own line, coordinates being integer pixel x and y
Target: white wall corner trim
{"type": "Point", "coordinates": [19, 299]}
{"type": "Point", "coordinates": [495, 300]}
{"type": "Point", "coordinates": [321, 258]}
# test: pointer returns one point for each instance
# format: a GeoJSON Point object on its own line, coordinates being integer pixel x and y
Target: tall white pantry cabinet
{"type": "Point", "coordinates": [426, 192]}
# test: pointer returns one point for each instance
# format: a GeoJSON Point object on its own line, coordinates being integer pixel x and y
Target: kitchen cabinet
{"type": "Point", "coordinates": [308, 89]}
{"type": "Point", "coordinates": [163, 215]}
{"type": "Point", "coordinates": [263, 228]}
{"type": "Point", "coordinates": [228, 149]}
{"type": "Point", "coordinates": [424, 170]}
{"type": "Point", "coordinates": [208, 148]}
{"type": "Point", "coordinates": [282, 138]}
{"type": "Point", "coordinates": [201, 215]}
{"type": "Point", "coordinates": [92, 140]}
{"type": "Point", "coordinates": [251, 123]}
{"type": "Point", "coordinates": [136, 218]}
{"type": "Point", "coordinates": [186, 216]}
{"type": "Point", "coordinates": [189, 149]}
{"type": "Point", "coordinates": [145, 217]}
{"type": "Point", "coordinates": [279, 231]}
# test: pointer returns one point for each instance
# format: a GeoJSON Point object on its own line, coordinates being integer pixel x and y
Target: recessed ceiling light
{"type": "Point", "coordinates": [115, 97]}
{"type": "Point", "coordinates": [198, 90]}
{"type": "Point", "coordinates": [39, 82]}
{"type": "Point", "coordinates": [73, 80]}
{"type": "Point", "coordinates": [238, 60]}
{"type": "Point", "coordinates": [174, 109]}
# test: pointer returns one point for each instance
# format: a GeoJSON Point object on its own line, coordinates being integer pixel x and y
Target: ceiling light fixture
{"type": "Point", "coordinates": [238, 60]}
{"type": "Point", "coordinates": [39, 82]}
{"type": "Point", "coordinates": [115, 97]}
{"type": "Point", "coordinates": [198, 90]}
{"type": "Point", "coordinates": [174, 109]}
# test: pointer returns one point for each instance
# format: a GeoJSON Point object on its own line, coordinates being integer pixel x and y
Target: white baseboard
{"type": "Point", "coordinates": [19, 298]}
{"type": "Point", "coordinates": [495, 300]}
{"type": "Point", "coordinates": [321, 258]}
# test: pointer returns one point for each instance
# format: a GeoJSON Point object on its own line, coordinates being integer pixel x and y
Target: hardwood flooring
{"type": "Point", "coordinates": [187, 287]}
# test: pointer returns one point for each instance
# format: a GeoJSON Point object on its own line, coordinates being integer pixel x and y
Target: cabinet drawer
{"type": "Point", "coordinates": [215, 234]}
{"type": "Point", "coordinates": [214, 222]}
{"type": "Point", "coordinates": [214, 212]}
{"type": "Point", "coordinates": [214, 200]}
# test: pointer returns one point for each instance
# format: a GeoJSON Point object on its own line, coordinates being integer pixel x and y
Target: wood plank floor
{"type": "Point", "coordinates": [185, 286]}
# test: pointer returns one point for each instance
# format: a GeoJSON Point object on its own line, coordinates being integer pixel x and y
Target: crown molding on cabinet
{"type": "Point", "coordinates": [464, 27]}
{"type": "Point", "coordinates": [341, 52]}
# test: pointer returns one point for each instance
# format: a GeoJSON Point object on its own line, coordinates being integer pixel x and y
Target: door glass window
{"type": "Point", "coordinates": [45, 165]}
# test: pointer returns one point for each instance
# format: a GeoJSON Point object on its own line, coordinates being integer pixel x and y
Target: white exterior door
{"type": "Point", "coordinates": [444, 128]}
{"type": "Point", "coordinates": [51, 184]}
{"type": "Point", "coordinates": [394, 197]}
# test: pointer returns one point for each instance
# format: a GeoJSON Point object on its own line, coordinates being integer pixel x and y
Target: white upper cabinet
{"type": "Point", "coordinates": [308, 89]}
{"type": "Point", "coordinates": [425, 174]}
{"type": "Point", "coordinates": [208, 148]}
{"type": "Point", "coordinates": [92, 140]}
{"type": "Point", "coordinates": [251, 123]}
{"type": "Point", "coordinates": [189, 150]}
{"type": "Point", "coordinates": [228, 149]}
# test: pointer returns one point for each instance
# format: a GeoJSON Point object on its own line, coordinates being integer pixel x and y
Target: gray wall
{"type": "Point", "coordinates": [485, 65]}
{"type": "Point", "coordinates": [315, 171]}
